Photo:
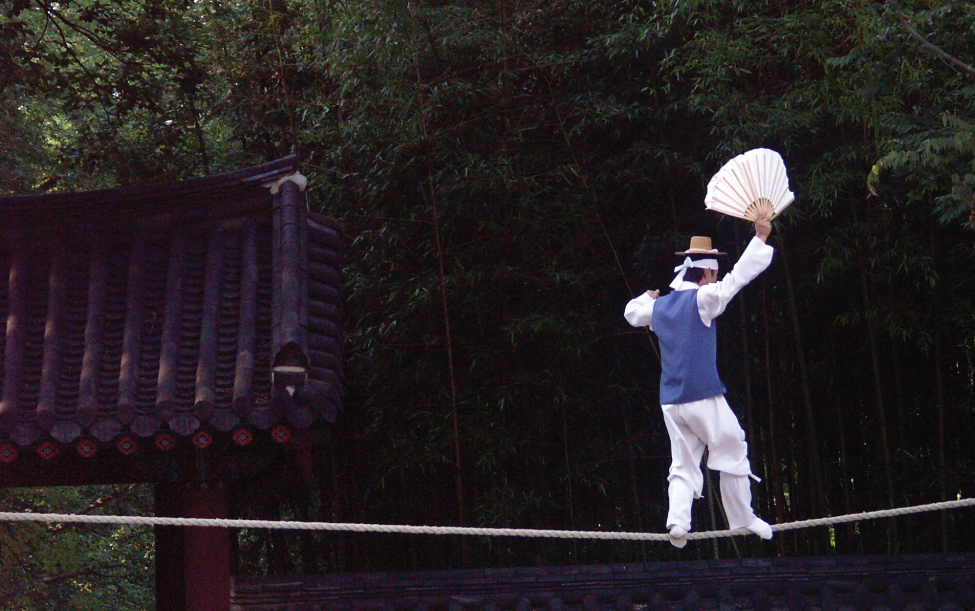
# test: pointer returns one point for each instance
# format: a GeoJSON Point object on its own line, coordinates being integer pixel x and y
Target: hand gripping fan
{"type": "Point", "coordinates": [750, 186]}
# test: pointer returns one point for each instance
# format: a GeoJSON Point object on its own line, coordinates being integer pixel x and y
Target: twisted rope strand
{"type": "Point", "coordinates": [455, 530]}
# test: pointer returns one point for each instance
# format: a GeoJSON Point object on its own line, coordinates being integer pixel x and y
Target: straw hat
{"type": "Point", "coordinates": [700, 245]}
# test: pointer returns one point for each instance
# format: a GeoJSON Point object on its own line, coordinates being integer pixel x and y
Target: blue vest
{"type": "Point", "coordinates": [688, 350]}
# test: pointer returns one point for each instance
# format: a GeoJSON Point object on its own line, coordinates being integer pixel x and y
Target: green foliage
{"type": "Point", "coordinates": [941, 164]}
{"type": "Point", "coordinates": [929, 146]}
{"type": "Point", "coordinates": [114, 86]}
{"type": "Point", "coordinates": [76, 566]}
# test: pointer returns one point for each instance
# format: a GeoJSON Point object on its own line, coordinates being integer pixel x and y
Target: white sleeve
{"type": "Point", "coordinates": [639, 311]}
{"type": "Point", "coordinates": [712, 299]}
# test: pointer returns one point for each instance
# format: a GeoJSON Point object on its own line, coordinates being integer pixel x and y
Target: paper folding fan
{"type": "Point", "coordinates": [750, 186]}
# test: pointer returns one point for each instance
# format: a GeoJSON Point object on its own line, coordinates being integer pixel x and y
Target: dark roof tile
{"type": "Point", "coordinates": [874, 583]}
{"type": "Point", "coordinates": [965, 596]}
{"type": "Point", "coordinates": [168, 308]}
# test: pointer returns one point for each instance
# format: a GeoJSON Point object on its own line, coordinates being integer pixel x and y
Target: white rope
{"type": "Point", "coordinates": [456, 530]}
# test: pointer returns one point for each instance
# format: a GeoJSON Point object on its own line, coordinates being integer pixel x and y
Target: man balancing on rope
{"type": "Point", "coordinates": [691, 393]}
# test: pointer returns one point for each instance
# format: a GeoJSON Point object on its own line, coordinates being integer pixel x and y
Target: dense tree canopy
{"type": "Point", "coordinates": [509, 174]}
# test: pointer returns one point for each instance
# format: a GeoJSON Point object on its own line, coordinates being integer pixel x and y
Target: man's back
{"type": "Point", "coordinates": [688, 350]}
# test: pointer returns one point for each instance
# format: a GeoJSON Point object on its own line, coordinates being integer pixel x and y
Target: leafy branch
{"type": "Point", "coordinates": [927, 44]}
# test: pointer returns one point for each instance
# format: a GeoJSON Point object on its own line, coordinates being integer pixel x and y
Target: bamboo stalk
{"type": "Point", "coordinates": [892, 539]}
{"type": "Point", "coordinates": [809, 418]}
{"type": "Point", "coordinates": [942, 475]}
{"type": "Point", "coordinates": [778, 497]}
{"type": "Point", "coordinates": [844, 460]}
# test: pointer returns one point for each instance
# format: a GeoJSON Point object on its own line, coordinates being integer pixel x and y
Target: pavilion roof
{"type": "Point", "coordinates": [153, 314]}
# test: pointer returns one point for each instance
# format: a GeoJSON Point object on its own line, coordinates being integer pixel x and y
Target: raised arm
{"type": "Point", "coordinates": [712, 299]}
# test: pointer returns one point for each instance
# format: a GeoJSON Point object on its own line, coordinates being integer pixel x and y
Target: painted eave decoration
{"type": "Point", "coordinates": [168, 313]}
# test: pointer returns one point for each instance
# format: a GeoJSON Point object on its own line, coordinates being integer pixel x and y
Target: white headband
{"type": "Point", "coordinates": [681, 269]}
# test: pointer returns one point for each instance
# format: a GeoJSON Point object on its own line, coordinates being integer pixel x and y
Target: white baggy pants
{"type": "Point", "coordinates": [708, 423]}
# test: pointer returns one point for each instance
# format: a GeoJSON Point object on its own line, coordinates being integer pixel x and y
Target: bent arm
{"type": "Point", "coordinates": [639, 312]}
{"type": "Point", "coordinates": [712, 299]}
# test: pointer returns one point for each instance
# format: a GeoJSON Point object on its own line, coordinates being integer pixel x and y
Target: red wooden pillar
{"type": "Point", "coordinates": [192, 563]}
{"type": "Point", "coordinates": [207, 552]}
{"type": "Point", "coordinates": [170, 590]}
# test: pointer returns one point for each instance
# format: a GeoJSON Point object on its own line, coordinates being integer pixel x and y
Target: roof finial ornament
{"type": "Point", "coordinates": [297, 177]}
